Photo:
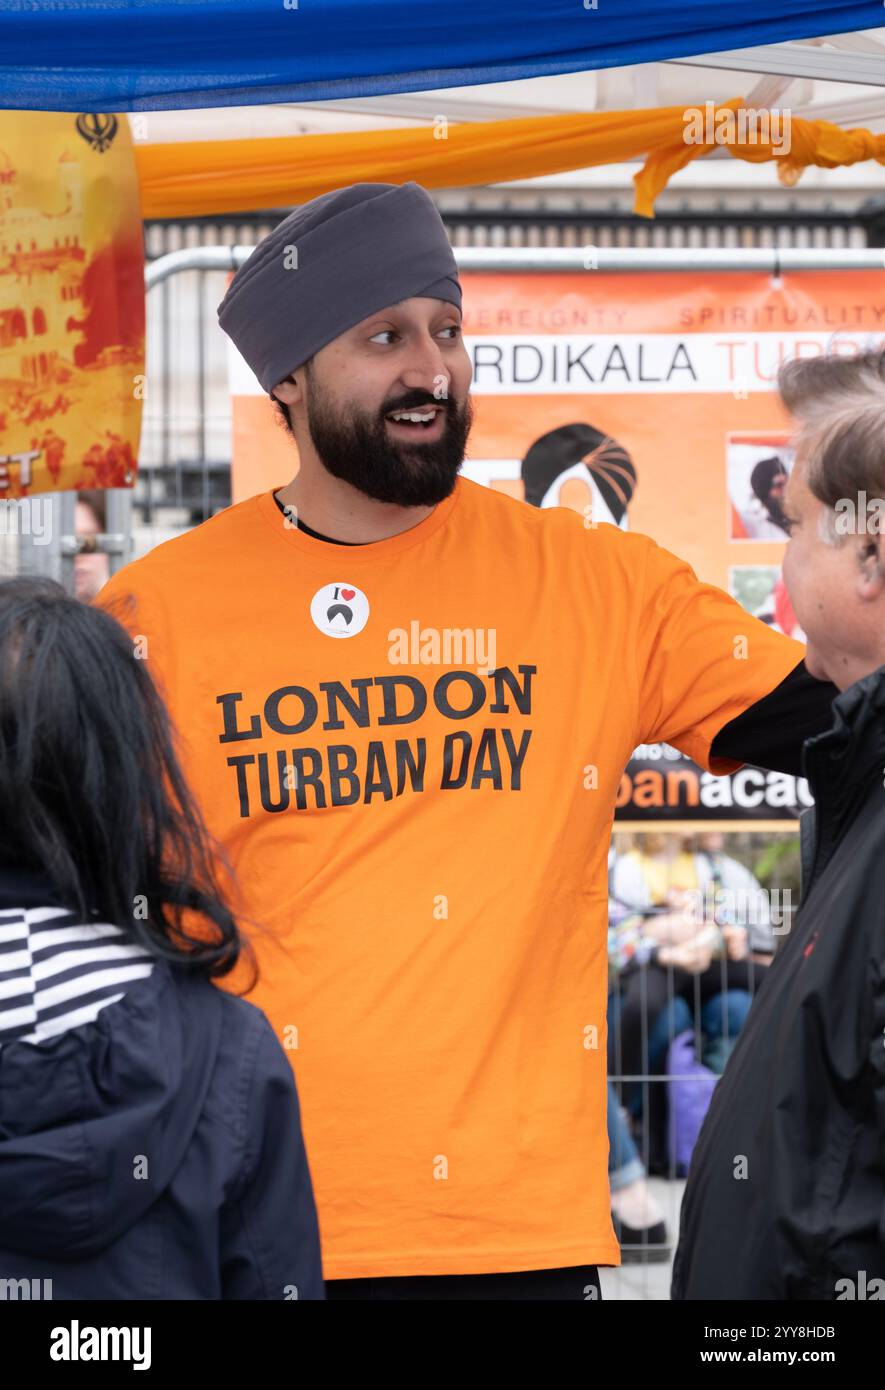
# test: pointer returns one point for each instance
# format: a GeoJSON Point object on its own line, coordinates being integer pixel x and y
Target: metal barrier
{"type": "Point", "coordinates": [708, 1008]}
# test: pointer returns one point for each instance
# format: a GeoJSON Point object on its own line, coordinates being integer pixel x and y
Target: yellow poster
{"type": "Point", "coordinates": [72, 303]}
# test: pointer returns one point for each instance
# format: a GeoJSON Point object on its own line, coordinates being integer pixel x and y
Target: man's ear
{"type": "Point", "coordinates": [289, 390]}
{"type": "Point", "coordinates": [870, 555]}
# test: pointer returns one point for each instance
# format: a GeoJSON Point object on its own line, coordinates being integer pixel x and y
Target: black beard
{"type": "Point", "coordinates": [775, 508]}
{"type": "Point", "coordinates": [361, 452]}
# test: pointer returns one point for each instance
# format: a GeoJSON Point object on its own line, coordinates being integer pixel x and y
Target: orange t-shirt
{"type": "Point", "coordinates": [410, 750]}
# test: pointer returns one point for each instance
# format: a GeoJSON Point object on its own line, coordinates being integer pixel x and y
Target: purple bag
{"type": "Point", "coordinates": [689, 1095]}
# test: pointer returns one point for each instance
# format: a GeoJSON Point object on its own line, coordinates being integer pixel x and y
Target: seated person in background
{"type": "Point", "coordinates": [679, 952]}
{"type": "Point", "coordinates": [638, 1220]}
{"type": "Point", "coordinates": [743, 911]}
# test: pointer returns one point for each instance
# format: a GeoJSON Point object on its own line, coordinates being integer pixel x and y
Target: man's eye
{"type": "Point", "coordinates": [454, 329]}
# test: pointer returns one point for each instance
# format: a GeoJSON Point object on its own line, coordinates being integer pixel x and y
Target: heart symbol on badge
{"type": "Point", "coordinates": [348, 593]}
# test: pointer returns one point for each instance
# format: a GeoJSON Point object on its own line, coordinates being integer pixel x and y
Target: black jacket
{"type": "Point", "coordinates": [156, 1153]}
{"type": "Point", "coordinates": [786, 1192]}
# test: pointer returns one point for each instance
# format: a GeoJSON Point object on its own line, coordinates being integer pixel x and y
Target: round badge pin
{"type": "Point", "coordinates": [339, 610]}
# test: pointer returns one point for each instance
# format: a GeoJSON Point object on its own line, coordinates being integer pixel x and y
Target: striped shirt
{"type": "Point", "coordinates": [57, 972]}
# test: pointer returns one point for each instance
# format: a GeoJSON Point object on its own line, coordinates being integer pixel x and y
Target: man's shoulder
{"type": "Point", "coordinates": [510, 513]}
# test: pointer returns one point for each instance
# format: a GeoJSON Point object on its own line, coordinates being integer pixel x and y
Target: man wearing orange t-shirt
{"type": "Point", "coordinates": [405, 703]}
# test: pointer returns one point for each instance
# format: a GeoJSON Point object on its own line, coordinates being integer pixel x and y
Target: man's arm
{"type": "Point", "coordinates": [716, 682]}
{"type": "Point", "coordinates": [771, 732]}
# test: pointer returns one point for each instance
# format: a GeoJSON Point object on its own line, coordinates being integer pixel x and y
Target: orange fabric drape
{"type": "Point", "coordinates": [203, 178]}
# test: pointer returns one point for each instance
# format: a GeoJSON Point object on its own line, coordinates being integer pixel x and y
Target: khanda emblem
{"type": "Point", "coordinates": [97, 130]}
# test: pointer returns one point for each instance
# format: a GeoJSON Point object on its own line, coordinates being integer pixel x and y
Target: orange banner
{"type": "Point", "coordinates": [72, 305]}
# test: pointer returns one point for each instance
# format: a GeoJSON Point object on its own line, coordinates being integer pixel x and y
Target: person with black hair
{"type": "Point", "coordinates": [150, 1142]}
{"type": "Point", "coordinates": [764, 519]}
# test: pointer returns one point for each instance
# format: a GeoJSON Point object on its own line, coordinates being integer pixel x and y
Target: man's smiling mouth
{"type": "Point", "coordinates": [421, 419]}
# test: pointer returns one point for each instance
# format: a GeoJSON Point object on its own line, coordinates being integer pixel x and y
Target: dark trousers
{"type": "Point", "coordinates": [580, 1281]}
{"type": "Point", "coordinates": [645, 991]}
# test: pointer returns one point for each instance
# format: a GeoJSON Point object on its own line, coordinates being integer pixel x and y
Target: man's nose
{"type": "Point", "coordinates": [427, 369]}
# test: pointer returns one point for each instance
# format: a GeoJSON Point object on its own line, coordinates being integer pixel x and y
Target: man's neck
{"type": "Point", "coordinates": [333, 509]}
{"type": "Point", "coordinates": [308, 530]}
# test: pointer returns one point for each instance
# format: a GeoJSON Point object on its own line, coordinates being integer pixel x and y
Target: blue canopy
{"type": "Point", "coordinates": [149, 55]}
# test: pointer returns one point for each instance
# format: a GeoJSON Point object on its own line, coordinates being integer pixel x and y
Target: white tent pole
{"type": "Point", "coordinates": [589, 258]}
{"type": "Point", "coordinates": [767, 92]}
{"type": "Point", "coordinates": [795, 60]}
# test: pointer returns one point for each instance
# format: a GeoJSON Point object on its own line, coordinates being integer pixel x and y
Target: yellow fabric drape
{"type": "Point", "coordinates": [207, 177]}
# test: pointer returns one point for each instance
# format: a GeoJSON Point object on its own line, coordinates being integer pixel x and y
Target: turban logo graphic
{"type": "Point", "coordinates": [339, 610]}
{"type": "Point", "coordinates": [588, 456]}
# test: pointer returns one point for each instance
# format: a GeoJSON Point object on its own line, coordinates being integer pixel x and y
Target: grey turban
{"type": "Point", "coordinates": [356, 250]}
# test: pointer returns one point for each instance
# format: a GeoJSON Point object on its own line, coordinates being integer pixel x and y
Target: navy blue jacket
{"type": "Point", "coordinates": [156, 1153]}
